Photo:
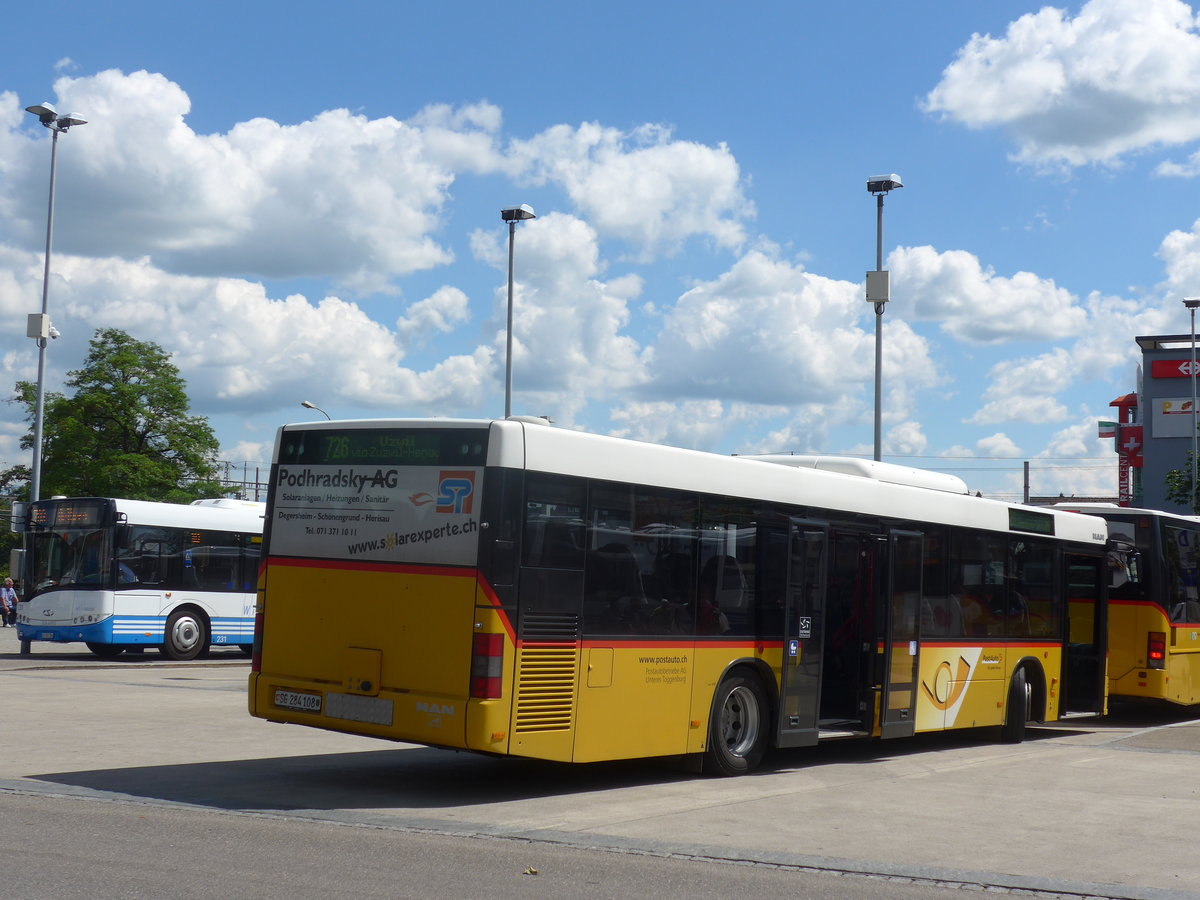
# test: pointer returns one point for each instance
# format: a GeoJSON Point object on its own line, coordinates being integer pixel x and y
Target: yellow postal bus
{"type": "Point", "coordinates": [513, 588]}
{"type": "Point", "coordinates": [1154, 614]}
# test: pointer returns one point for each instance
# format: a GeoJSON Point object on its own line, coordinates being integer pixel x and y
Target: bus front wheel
{"type": "Point", "coordinates": [186, 635]}
{"type": "Point", "coordinates": [1019, 708]}
{"type": "Point", "coordinates": [738, 728]}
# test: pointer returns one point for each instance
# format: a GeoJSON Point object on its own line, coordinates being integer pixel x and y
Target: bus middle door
{"type": "Point", "coordinates": [902, 635]}
{"type": "Point", "coordinates": [804, 605]}
{"type": "Point", "coordinates": [1085, 651]}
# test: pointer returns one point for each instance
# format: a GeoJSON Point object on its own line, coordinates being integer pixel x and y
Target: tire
{"type": "Point", "coordinates": [739, 726]}
{"type": "Point", "coordinates": [1017, 709]}
{"type": "Point", "coordinates": [186, 635]}
{"type": "Point", "coordinates": [105, 651]}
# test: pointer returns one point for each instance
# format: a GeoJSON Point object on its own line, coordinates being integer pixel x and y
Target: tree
{"type": "Point", "coordinates": [1179, 486]}
{"type": "Point", "coordinates": [125, 431]}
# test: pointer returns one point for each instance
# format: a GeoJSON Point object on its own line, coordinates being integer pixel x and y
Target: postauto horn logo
{"type": "Point", "coordinates": [456, 492]}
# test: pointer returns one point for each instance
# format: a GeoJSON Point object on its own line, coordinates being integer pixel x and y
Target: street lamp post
{"type": "Point", "coordinates": [1191, 304]}
{"type": "Point", "coordinates": [878, 293]}
{"type": "Point", "coordinates": [309, 405]}
{"type": "Point", "coordinates": [40, 328]}
{"type": "Point", "coordinates": [512, 216]}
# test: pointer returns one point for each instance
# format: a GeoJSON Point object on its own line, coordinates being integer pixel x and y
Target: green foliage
{"type": "Point", "coordinates": [124, 430]}
{"type": "Point", "coordinates": [1180, 488]}
{"type": "Point", "coordinates": [8, 539]}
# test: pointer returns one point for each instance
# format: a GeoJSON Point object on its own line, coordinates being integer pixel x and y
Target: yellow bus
{"type": "Point", "coordinates": [513, 588]}
{"type": "Point", "coordinates": [1154, 615]}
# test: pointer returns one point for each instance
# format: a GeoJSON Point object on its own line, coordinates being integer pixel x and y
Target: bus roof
{"type": "Point", "coordinates": [867, 468]}
{"type": "Point", "coordinates": [243, 516]}
{"type": "Point", "coordinates": [1108, 509]}
{"type": "Point", "coordinates": [541, 447]}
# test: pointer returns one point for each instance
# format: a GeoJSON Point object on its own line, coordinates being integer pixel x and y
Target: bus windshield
{"type": "Point", "coordinates": [70, 558]}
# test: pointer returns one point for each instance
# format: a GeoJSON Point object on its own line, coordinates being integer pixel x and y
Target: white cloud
{"type": "Point", "coordinates": [768, 332]}
{"type": "Point", "coordinates": [1120, 76]}
{"type": "Point", "coordinates": [1029, 410]}
{"type": "Point", "coordinates": [240, 349]}
{"type": "Point", "coordinates": [998, 444]}
{"type": "Point", "coordinates": [1022, 390]}
{"type": "Point", "coordinates": [442, 312]}
{"type": "Point", "coordinates": [905, 439]}
{"type": "Point", "coordinates": [642, 186]}
{"type": "Point", "coordinates": [1094, 476]}
{"type": "Point", "coordinates": [699, 424]}
{"type": "Point", "coordinates": [568, 345]}
{"type": "Point", "coordinates": [1180, 252]}
{"type": "Point", "coordinates": [974, 304]}
{"type": "Point", "coordinates": [340, 195]}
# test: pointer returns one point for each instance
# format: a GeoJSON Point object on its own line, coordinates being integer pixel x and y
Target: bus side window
{"type": "Point", "coordinates": [251, 554]}
{"type": "Point", "coordinates": [151, 564]}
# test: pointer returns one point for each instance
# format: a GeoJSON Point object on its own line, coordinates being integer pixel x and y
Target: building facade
{"type": "Point", "coordinates": [1156, 427]}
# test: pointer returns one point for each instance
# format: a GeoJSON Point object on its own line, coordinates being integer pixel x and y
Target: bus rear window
{"type": "Point", "coordinates": [385, 446]}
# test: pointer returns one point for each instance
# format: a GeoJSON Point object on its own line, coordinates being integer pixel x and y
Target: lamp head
{"type": "Point", "coordinates": [1192, 302]}
{"type": "Point", "coordinates": [65, 122]}
{"type": "Point", "coordinates": [881, 184]}
{"type": "Point", "coordinates": [45, 112]}
{"type": "Point", "coordinates": [517, 213]}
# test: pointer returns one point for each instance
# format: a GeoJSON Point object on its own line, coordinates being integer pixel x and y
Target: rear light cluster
{"type": "Point", "coordinates": [487, 662]}
{"type": "Point", "coordinates": [1156, 650]}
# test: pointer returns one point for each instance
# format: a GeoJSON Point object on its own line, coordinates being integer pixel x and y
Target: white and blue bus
{"type": "Point", "coordinates": [126, 574]}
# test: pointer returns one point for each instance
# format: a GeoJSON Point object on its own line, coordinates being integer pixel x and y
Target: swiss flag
{"type": "Point", "coordinates": [1130, 443]}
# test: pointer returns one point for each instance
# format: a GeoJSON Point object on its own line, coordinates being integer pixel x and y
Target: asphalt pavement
{"type": "Point", "coordinates": [1091, 807]}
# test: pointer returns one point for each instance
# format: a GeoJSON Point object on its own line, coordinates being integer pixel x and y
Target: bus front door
{"type": "Point", "coordinates": [804, 604]}
{"type": "Point", "coordinates": [902, 636]}
{"type": "Point", "coordinates": [1086, 649]}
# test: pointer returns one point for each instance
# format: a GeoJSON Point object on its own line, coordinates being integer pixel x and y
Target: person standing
{"type": "Point", "coordinates": [8, 604]}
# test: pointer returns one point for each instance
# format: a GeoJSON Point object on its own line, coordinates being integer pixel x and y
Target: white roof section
{"type": "Point", "coordinates": [520, 444]}
{"type": "Point", "coordinates": [869, 468]}
{"type": "Point", "coordinates": [1106, 509]}
{"type": "Point", "coordinates": [237, 515]}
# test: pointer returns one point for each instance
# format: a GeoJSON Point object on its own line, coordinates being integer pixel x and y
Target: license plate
{"type": "Point", "coordinates": [297, 700]}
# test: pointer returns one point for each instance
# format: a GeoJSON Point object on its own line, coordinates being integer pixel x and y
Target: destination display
{"type": "Point", "coordinates": [390, 447]}
{"type": "Point", "coordinates": [378, 513]}
{"type": "Point", "coordinates": [69, 514]}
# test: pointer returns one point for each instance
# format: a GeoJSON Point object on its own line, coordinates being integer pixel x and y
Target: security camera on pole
{"type": "Point", "coordinates": [878, 293]}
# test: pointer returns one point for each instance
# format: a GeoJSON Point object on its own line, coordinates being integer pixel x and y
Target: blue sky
{"type": "Point", "coordinates": [303, 203]}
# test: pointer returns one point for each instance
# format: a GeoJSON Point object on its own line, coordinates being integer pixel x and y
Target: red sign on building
{"type": "Point", "coordinates": [1172, 368]}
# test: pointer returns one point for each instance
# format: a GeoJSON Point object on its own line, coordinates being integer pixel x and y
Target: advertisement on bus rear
{"type": "Point", "coordinates": [404, 514]}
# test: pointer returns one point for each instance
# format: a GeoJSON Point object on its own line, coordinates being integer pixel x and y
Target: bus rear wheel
{"type": "Point", "coordinates": [186, 635]}
{"type": "Point", "coordinates": [1019, 709]}
{"type": "Point", "coordinates": [738, 727]}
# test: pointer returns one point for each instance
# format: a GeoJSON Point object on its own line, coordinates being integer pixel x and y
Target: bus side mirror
{"type": "Point", "coordinates": [1124, 567]}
